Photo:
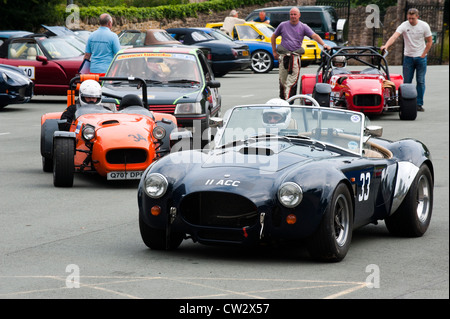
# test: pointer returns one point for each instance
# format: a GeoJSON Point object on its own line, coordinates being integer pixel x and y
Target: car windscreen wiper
{"type": "Point", "coordinates": [184, 81]}
{"type": "Point", "coordinates": [150, 81]}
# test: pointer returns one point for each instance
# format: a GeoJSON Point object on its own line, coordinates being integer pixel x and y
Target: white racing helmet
{"type": "Point", "coordinates": [90, 88]}
{"type": "Point", "coordinates": [339, 62]}
{"type": "Point", "coordinates": [277, 117]}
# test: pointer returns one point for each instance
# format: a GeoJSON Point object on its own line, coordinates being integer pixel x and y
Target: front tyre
{"type": "Point", "coordinates": [332, 239]}
{"type": "Point", "coordinates": [63, 162]}
{"type": "Point", "coordinates": [158, 239]}
{"type": "Point", "coordinates": [413, 216]}
{"type": "Point", "coordinates": [262, 61]}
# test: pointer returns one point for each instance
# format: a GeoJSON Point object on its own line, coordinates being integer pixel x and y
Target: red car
{"type": "Point", "coordinates": [51, 62]}
{"type": "Point", "coordinates": [372, 90]}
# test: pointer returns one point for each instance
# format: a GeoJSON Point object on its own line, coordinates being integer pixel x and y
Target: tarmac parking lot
{"type": "Point", "coordinates": [84, 242]}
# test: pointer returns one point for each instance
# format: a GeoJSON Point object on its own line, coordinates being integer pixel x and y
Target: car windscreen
{"type": "Point", "coordinates": [157, 68]}
{"type": "Point", "coordinates": [339, 128]}
{"type": "Point", "coordinates": [59, 48]}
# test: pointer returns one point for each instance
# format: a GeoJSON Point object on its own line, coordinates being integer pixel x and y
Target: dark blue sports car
{"type": "Point", "coordinates": [15, 86]}
{"type": "Point", "coordinates": [261, 53]}
{"type": "Point", "coordinates": [288, 173]}
{"type": "Point", "coordinates": [227, 55]}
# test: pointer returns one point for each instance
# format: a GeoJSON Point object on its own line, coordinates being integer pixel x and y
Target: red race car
{"type": "Point", "coordinates": [372, 90]}
{"type": "Point", "coordinates": [118, 144]}
{"type": "Point", "coordinates": [51, 62]}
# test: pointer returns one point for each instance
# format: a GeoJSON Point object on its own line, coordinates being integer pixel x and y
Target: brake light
{"type": "Point", "coordinates": [235, 53]}
{"type": "Point", "coordinates": [327, 35]}
{"type": "Point", "coordinates": [209, 56]}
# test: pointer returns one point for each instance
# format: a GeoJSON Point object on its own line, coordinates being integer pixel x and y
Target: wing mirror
{"type": "Point", "coordinates": [215, 121]}
{"type": "Point", "coordinates": [213, 84]}
{"type": "Point", "coordinates": [374, 130]}
{"type": "Point", "coordinates": [42, 59]}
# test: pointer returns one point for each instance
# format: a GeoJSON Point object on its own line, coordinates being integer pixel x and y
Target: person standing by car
{"type": "Point", "coordinates": [418, 41]}
{"type": "Point", "coordinates": [230, 21]}
{"type": "Point", "coordinates": [288, 53]}
{"type": "Point", "coordinates": [102, 45]}
{"type": "Point", "coordinates": [262, 18]}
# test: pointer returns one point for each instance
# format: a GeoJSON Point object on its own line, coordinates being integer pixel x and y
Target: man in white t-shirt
{"type": "Point", "coordinates": [418, 40]}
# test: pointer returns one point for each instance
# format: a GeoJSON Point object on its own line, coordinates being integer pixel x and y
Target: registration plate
{"type": "Point", "coordinates": [124, 175]}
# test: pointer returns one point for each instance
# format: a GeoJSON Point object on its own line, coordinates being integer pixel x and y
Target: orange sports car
{"type": "Point", "coordinates": [116, 143]}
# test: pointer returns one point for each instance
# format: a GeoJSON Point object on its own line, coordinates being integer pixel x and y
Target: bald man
{"type": "Point", "coordinates": [102, 45]}
{"type": "Point", "coordinates": [290, 50]}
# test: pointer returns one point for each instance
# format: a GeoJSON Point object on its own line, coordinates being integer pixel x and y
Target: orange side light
{"type": "Point", "coordinates": [291, 219]}
{"type": "Point", "coordinates": [156, 210]}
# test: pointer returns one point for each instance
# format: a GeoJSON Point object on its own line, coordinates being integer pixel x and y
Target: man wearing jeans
{"type": "Point", "coordinates": [418, 40]}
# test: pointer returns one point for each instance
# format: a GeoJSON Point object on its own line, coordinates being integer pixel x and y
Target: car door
{"type": "Point", "coordinates": [212, 94]}
{"type": "Point", "coordinates": [372, 180]}
{"type": "Point", "coordinates": [28, 55]}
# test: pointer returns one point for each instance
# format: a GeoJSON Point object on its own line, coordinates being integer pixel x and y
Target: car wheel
{"type": "Point", "coordinates": [157, 239]}
{"type": "Point", "coordinates": [332, 239]}
{"type": "Point", "coordinates": [408, 106]}
{"type": "Point", "coordinates": [63, 165]}
{"type": "Point", "coordinates": [47, 164]}
{"type": "Point", "coordinates": [413, 216]}
{"type": "Point", "coordinates": [262, 62]}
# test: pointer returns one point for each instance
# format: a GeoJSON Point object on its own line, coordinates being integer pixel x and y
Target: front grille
{"type": "Point", "coordinates": [367, 99]}
{"type": "Point", "coordinates": [168, 109]}
{"type": "Point", "coordinates": [126, 156]}
{"type": "Point", "coordinates": [218, 209]}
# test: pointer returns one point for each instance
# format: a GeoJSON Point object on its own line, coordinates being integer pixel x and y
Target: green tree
{"type": "Point", "coordinates": [28, 14]}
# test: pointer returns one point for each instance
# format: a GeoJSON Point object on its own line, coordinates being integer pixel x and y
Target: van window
{"type": "Point", "coordinates": [312, 19]}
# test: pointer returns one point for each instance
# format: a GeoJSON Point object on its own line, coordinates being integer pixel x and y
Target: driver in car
{"type": "Point", "coordinates": [90, 95]}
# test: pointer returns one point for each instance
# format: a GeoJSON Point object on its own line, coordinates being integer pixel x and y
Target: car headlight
{"type": "Point", "coordinates": [5, 77]}
{"type": "Point", "coordinates": [159, 132]}
{"type": "Point", "coordinates": [290, 194]}
{"type": "Point", "coordinates": [188, 108]}
{"type": "Point", "coordinates": [88, 132]}
{"type": "Point", "coordinates": [155, 185]}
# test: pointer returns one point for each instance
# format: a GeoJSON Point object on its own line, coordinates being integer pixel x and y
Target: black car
{"type": "Point", "coordinates": [15, 86]}
{"type": "Point", "coordinates": [323, 20]}
{"type": "Point", "coordinates": [227, 55]}
{"type": "Point", "coordinates": [288, 173]}
{"type": "Point", "coordinates": [179, 82]}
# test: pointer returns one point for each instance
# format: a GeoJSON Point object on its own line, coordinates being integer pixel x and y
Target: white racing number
{"type": "Point", "coordinates": [365, 187]}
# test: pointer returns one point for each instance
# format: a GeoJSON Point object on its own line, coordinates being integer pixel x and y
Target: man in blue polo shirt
{"type": "Point", "coordinates": [102, 46]}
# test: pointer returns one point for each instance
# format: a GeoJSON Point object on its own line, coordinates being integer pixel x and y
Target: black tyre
{"type": "Point", "coordinates": [408, 106]}
{"type": "Point", "coordinates": [63, 165]}
{"type": "Point", "coordinates": [413, 216]}
{"type": "Point", "coordinates": [47, 164]}
{"type": "Point", "coordinates": [332, 239]}
{"type": "Point", "coordinates": [157, 239]}
{"type": "Point", "coordinates": [262, 61]}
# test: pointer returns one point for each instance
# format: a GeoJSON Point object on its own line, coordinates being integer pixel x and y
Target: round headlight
{"type": "Point", "coordinates": [290, 194]}
{"type": "Point", "coordinates": [155, 185]}
{"type": "Point", "coordinates": [159, 132]}
{"type": "Point", "coordinates": [88, 132]}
